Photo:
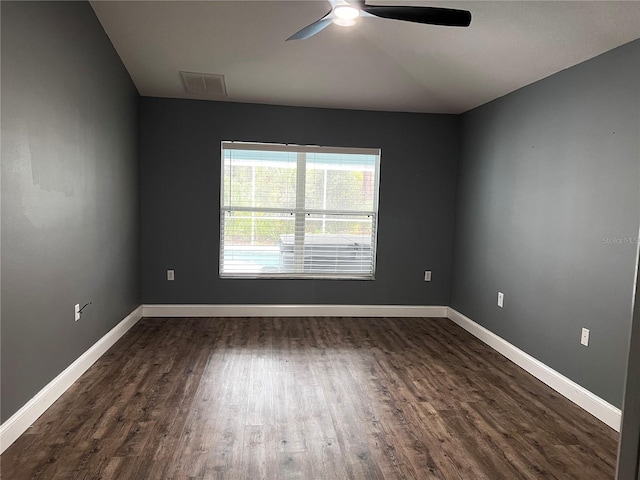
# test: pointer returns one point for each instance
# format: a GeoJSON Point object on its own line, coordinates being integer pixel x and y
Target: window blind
{"type": "Point", "coordinates": [298, 211]}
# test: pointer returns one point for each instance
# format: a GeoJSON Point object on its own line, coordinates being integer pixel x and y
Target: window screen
{"type": "Point", "coordinates": [298, 211]}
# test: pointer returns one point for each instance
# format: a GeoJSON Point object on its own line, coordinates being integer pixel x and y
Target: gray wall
{"type": "Point", "coordinates": [549, 189]}
{"type": "Point", "coordinates": [180, 171]}
{"type": "Point", "coordinates": [70, 223]}
{"type": "Point", "coordinates": [547, 212]}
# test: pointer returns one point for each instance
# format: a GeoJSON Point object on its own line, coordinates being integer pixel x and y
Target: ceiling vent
{"type": "Point", "coordinates": [204, 83]}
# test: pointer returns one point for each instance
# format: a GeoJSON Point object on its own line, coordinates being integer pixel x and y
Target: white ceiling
{"type": "Point", "coordinates": [379, 64]}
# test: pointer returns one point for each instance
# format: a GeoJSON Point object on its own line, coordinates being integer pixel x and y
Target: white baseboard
{"type": "Point", "coordinates": [20, 421]}
{"type": "Point", "coordinates": [579, 395]}
{"type": "Point", "coordinates": [29, 413]}
{"type": "Point", "coordinates": [294, 311]}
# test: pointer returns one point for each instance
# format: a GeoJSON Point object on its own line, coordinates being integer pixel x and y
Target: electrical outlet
{"type": "Point", "coordinates": [427, 275]}
{"type": "Point", "coordinates": [584, 338]}
{"type": "Point", "coordinates": [77, 312]}
{"type": "Point", "coordinates": [171, 275]}
{"type": "Point", "coordinates": [500, 299]}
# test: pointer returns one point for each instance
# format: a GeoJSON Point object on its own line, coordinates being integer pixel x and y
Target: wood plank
{"type": "Point", "coordinates": [309, 398]}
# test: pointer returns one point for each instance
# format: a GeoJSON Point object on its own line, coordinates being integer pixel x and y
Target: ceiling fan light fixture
{"type": "Point", "coordinates": [345, 15]}
{"type": "Point", "coordinates": [343, 22]}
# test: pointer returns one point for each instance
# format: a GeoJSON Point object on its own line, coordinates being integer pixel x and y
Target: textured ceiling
{"type": "Point", "coordinates": [379, 64]}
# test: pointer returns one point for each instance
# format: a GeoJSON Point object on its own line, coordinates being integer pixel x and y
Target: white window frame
{"type": "Point", "coordinates": [299, 211]}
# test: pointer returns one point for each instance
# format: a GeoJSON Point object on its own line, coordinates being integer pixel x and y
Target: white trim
{"type": "Point", "coordinates": [292, 147]}
{"type": "Point", "coordinates": [579, 395]}
{"type": "Point", "coordinates": [20, 421]}
{"type": "Point", "coordinates": [293, 311]}
{"type": "Point", "coordinates": [29, 413]}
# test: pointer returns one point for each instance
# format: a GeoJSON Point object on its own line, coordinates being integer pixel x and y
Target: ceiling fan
{"type": "Point", "coordinates": [346, 13]}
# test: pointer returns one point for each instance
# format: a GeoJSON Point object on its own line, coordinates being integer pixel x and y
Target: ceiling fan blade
{"type": "Point", "coordinates": [311, 30]}
{"type": "Point", "coordinates": [430, 15]}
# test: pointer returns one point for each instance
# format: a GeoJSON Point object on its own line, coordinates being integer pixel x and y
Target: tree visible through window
{"type": "Point", "coordinates": [298, 211]}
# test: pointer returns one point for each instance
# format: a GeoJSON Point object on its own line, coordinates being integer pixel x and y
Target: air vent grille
{"type": "Point", "coordinates": [204, 83]}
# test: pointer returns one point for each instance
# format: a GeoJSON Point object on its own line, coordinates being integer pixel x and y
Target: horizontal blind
{"type": "Point", "coordinates": [290, 211]}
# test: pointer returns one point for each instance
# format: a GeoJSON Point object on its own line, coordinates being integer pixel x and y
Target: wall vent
{"type": "Point", "coordinates": [204, 83]}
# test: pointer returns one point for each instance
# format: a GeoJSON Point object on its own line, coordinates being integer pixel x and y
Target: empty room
{"type": "Point", "coordinates": [320, 239]}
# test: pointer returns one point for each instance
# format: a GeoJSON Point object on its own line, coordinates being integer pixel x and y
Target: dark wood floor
{"type": "Point", "coordinates": [311, 399]}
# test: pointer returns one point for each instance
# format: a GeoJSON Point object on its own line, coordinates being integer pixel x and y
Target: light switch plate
{"type": "Point", "coordinates": [584, 337]}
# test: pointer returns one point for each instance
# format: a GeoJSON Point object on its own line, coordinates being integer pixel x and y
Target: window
{"type": "Point", "coordinates": [298, 211]}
